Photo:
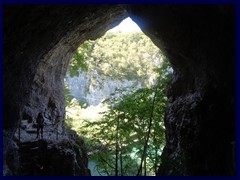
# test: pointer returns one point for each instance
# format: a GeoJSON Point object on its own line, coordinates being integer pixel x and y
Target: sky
{"type": "Point", "coordinates": [127, 25]}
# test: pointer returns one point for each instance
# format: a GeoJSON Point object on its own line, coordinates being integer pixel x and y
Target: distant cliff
{"type": "Point", "coordinates": [82, 89]}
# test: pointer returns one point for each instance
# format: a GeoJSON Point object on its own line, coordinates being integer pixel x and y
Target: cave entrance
{"type": "Point", "coordinates": [115, 100]}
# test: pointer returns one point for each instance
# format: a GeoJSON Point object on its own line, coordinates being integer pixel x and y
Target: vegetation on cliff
{"type": "Point", "coordinates": [125, 132]}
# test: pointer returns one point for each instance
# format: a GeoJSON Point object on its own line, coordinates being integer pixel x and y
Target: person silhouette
{"type": "Point", "coordinates": [40, 121]}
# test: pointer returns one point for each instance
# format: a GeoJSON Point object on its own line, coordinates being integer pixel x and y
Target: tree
{"type": "Point", "coordinates": [122, 56]}
{"type": "Point", "coordinates": [129, 137]}
{"type": "Point", "coordinates": [134, 120]}
{"type": "Point", "coordinates": [79, 61]}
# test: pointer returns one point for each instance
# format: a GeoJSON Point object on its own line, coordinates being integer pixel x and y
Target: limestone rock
{"type": "Point", "coordinates": [198, 40]}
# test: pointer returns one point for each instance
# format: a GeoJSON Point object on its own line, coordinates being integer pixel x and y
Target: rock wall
{"type": "Point", "coordinates": [39, 41]}
{"type": "Point", "coordinates": [199, 42]}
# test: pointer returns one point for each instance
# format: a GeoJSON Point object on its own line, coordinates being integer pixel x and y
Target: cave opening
{"type": "Point", "coordinates": [198, 40]}
{"type": "Point", "coordinates": [115, 91]}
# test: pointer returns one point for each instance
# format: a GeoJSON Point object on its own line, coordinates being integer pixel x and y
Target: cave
{"type": "Point", "coordinates": [199, 41]}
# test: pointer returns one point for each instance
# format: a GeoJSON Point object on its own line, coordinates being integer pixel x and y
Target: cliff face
{"type": "Point", "coordinates": [199, 42]}
{"type": "Point", "coordinates": [40, 40]}
{"type": "Point", "coordinates": [82, 89]}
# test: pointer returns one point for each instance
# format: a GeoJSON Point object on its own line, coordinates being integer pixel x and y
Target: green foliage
{"type": "Point", "coordinates": [116, 137]}
{"type": "Point", "coordinates": [121, 56]}
{"type": "Point", "coordinates": [126, 124]}
{"type": "Point", "coordinates": [79, 61]}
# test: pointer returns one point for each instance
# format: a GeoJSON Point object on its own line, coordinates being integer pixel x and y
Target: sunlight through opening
{"type": "Point", "coordinates": [115, 100]}
{"type": "Point", "coordinates": [127, 25]}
